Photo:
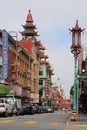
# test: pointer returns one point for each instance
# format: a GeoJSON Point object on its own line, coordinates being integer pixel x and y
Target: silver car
{"type": "Point", "coordinates": [5, 107]}
{"type": "Point", "coordinates": [8, 106]}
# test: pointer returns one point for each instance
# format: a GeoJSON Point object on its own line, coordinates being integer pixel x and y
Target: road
{"type": "Point", "coordinates": [76, 127]}
{"type": "Point", "coordinates": [46, 121]}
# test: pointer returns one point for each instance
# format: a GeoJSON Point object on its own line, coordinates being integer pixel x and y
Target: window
{"type": "Point", "coordinates": [40, 72]}
{"type": "Point", "coordinates": [40, 82]}
{"type": "Point", "coordinates": [1, 100]}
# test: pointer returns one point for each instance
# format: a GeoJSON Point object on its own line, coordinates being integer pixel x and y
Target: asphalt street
{"type": "Point", "coordinates": [58, 120]}
{"type": "Point", "coordinates": [46, 121]}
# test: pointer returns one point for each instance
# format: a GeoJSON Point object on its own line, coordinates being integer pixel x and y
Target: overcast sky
{"type": "Point", "coordinates": [53, 18]}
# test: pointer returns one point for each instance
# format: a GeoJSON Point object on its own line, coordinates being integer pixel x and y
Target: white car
{"type": "Point", "coordinates": [50, 109]}
{"type": "Point", "coordinates": [5, 107]}
{"type": "Point", "coordinates": [8, 106]}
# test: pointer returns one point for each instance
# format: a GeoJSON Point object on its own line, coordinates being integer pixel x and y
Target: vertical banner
{"type": "Point", "coordinates": [4, 55]}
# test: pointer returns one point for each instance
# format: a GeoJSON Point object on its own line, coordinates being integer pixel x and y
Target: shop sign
{"type": "Point", "coordinates": [4, 70]}
{"type": "Point", "coordinates": [4, 89]}
{"type": "Point", "coordinates": [27, 93]}
{"type": "Point", "coordinates": [17, 91]}
{"type": "Point", "coordinates": [35, 97]}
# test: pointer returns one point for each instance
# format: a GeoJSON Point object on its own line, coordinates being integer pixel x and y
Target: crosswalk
{"type": "Point", "coordinates": [6, 121]}
{"type": "Point", "coordinates": [54, 123]}
{"type": "Point", "coordinates": [76, 127]}
{"type": "Point", "coordinates": [30, 122]}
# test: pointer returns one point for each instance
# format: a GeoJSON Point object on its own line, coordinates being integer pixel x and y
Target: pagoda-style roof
{"type": "Point", "coordinates": [51, 72]}
{"type": "Point", "coordinates": [29, 17]}
{"type": "Point", "coordinates": [40, 54]}
{"type": "Point", "coordinates": [29, 25]}
{"type": "Point", "coordinates": [43, 61]}
{"type": "Point", "coordinates": [29, 32]}
{"type": "Point", "coordinates": [76, 28]}
{"type": "Point", "coordinates": [44, 57]}
{"type": "Point", "coordinates": [37, 42]}
{"type": "Point", "coordinates": [26, 44]}
{"type": "Point", "coordinates": [41, 47]}
{"type": "Point", "coordinates": [49, 68]}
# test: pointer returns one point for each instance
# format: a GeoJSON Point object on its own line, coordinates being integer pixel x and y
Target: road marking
{"type": "Point", "coordinates": [82, 125]}
{"type": "Point", "coordinates": [30, 122]}
{"type": "Point", "coordinates": [76, 127]}
{"type": "Point", "coordinates": [54, 123]}
{"type": "Point", "coordinates": [6, 121]}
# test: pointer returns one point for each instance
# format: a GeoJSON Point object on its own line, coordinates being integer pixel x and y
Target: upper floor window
{"type": "Point", "coordinates": [40, 73]}
{"type": "Point", "coordinates": [40, 82]}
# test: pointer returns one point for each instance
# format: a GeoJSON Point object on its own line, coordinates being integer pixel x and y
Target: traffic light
{"type": "Point", "coordinates": [83, 66]}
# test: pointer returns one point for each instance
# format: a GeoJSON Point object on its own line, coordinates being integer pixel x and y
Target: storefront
{"type": "Point", "coordinates": [26, 95]}
{"type": "Point", "coordinates": [4, 89]}
{"type": "Point", "coordinates": [35, 97]}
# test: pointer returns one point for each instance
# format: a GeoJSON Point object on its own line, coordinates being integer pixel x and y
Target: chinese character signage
{"type": "Point", "coordinates": [4, 70]}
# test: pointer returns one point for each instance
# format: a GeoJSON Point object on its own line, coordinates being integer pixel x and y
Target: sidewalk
{"type": "Point", "coordinates": [79, 124]}
{"type": "Point", "coordinates": [81, 118]}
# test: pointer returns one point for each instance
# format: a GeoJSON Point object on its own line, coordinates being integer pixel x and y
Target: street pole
{"type": "Point", "coordinates": [75, 49]}
{"type": "Point", "coordinates": [13, 92]}
{"type": "Point", "coordinates": [77, 96]}
{"type": "Point", "coordinates": [74, 109]}
{"type": "Point", "coordinates": [75, 83]}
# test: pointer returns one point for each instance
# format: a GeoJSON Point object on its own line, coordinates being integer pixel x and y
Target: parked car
{"type": "Point", "coordinates": [5, 107]}
{"type": "Point", "coordinates": [27, 107]}
{"type": "Point", "coordinates": [10, 106]}
{"type": "Point", "coordinates": [44, 108]}
{"type": "Point", "coordinates": [37, 107]}
{"type": "Point", "coordinates": [50, 109]}
{"type": "Point", "coordinates": [17, 102]}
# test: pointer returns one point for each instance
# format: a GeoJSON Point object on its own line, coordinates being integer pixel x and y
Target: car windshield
{"type": "Point", "coordinates": [36, 104]}
{"type": "Point", "coordinates": [26, 103]}
{"type": "Point", "coordinates": [1, 100]}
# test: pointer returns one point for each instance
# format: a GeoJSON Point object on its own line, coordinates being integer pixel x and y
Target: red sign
{"type": "Point", "coordinates": [27, 93]}
{"type": "Point", "coordinates": [17, 91]}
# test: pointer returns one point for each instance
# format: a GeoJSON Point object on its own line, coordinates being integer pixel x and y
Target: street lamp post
{"type": "Point", "coordinates": [75, 49]}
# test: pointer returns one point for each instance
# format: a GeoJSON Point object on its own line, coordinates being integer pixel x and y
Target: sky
{"type": "Point", "coordinates": [53, 18]}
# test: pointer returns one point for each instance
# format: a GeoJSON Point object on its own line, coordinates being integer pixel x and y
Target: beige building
{"type": "Point", "coordinates": [30, 44]}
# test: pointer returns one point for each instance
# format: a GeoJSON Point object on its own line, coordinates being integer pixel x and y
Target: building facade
{"type": "Point", "coordinates": [24, 64]}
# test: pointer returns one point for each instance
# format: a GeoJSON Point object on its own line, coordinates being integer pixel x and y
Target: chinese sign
{"type": "Point", "coordinates": [4, 70]}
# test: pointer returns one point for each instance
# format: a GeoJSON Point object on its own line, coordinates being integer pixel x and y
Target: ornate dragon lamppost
{"type": "Point", "coordinates": [75, 49]}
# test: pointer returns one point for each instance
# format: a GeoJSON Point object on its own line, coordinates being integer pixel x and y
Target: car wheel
{"type": "Point", "coordinates": [6, 114]}
{"type": "Point", "coordinates": [17, 114]}
{"type": "Point", "coordinates": [11, 113]}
